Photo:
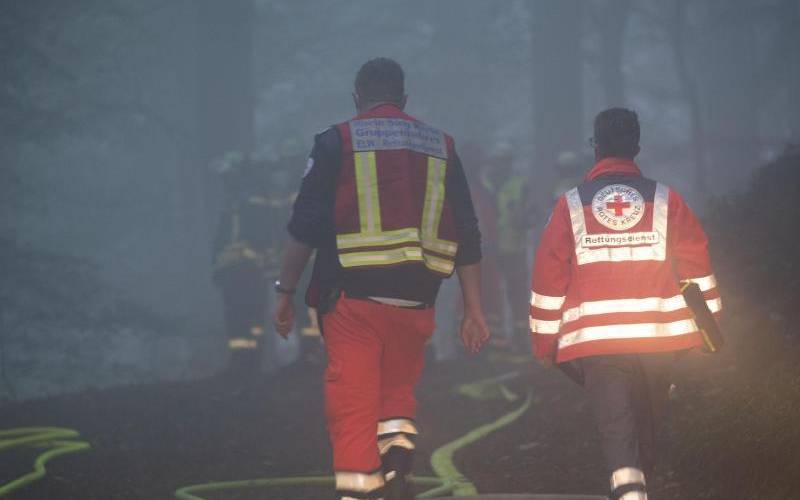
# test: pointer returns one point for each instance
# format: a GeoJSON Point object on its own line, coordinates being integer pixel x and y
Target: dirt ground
{"type": "Point", "coordinates": [147, 441]}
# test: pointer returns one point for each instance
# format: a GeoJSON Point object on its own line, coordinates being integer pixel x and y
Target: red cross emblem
{"type": "Point", "coordinates": [618, 205]}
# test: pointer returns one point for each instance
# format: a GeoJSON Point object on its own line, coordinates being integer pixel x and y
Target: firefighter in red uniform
{"type": "Point", "coordinates": [386, 204]}
{"type": "Point", "coordinates": [606, 295]}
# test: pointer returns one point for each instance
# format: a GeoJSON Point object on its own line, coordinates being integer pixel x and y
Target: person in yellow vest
{"type": "Point", "coordinates": [386, 204]}
{"type": "Point", "coordinates": [513, 218]}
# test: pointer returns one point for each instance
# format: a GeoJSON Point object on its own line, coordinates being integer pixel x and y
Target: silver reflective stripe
{"type": "Point", "coordinates": [714, 305]}
{"type": "Point", "coordinates": [661, 218]}
{"type": "Point", "coordinates": [705, 283]}
{"type": "Point", "coordinates": [648, 304]}
{"type": "Point", "coordinates": [626, 475]}
{"type": "Point", "coordinates": [588, 255]}
{"type": "Point", "coordinates": [356, 481]}
{"type": "Point", "coordinates": [391, 301]}
{"type": "Point", "coordinates": [400, 440]}
{"type": "Point", "coordinates": [546, 301]}
{"type": "Point", "coordinates": [397, 425]}
{"type": "Point", "coordinates": [621, 254]}
{"type": "Point", "coordinates": [541, 326]}
{"type": "Point", "coordinates": [634, 495]}
{"type": "Point", "coordinates": [577, 218]}
{"type": "Point", "coordinates": [630, 331]}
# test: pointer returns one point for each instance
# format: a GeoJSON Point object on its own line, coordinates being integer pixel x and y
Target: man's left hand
{"type": "Point", "coordinates": [474, 332]}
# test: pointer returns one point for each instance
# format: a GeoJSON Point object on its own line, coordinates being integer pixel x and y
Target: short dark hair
{"type": "Point", "coordinates": [616, 132]}
{"type": "Point", "coordinates": [380, 79]}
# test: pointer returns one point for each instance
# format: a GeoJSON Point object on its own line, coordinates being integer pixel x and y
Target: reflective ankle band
{"type": "Point", "coordinates": [628, 483]}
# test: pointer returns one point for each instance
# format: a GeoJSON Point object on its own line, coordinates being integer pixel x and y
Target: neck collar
{"type": "Point", "coordinates": [613, 166]}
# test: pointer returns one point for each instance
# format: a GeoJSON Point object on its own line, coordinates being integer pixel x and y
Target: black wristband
{"type": "Point", "coordinates": [284, 291]}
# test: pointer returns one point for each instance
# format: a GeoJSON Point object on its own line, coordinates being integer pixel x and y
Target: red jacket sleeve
{"type": "Point", "coordinates": [551, 277]}
{"type": "Point", "coordinates": [690, 251]}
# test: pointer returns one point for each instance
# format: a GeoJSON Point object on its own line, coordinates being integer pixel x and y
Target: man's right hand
{"type": "Point", "coordinates": [474, 332]}
{"type": "Point", "coordinates": [283, 317]}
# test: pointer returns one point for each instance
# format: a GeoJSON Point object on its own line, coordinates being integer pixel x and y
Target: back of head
{"type": "Point", "coordinates": [616, 133]}
{"type": "Point", "coordinates": [380, 80]}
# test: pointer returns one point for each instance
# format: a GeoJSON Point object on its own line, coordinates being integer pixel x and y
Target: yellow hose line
{"type": "Point", "coordinates": [49, 437]}
{"type": "Point", "coordinates": [448, 478]}
{"type": "Point", "coordinates": [442, 458]}
{"type": "Point", "coordinates": [192, 492]}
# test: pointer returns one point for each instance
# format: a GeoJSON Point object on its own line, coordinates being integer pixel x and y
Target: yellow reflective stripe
{"type": "Point", "coordinates": [434, 199]}
{"type": "Point", "coordinates": [381, 257]}
{"type": "Point", "coordinates": [374, 202]}
{"type": "Point", "coordinates": [369, 210]}
{"type": "Point", "coordinates": [384, 238]}
{"type": "Point", "coordinates": [242, 344]}
{"type": "Point", "coordinates": [396, 256]}
{"type": "Point", "coordinates": [628, 331]}
{"type": "Point", "coordinates": [445, 247]}
{"type": "Point", "coordinates": [438, 264]}
{"type": "Point", "coordinates": [394, 237]}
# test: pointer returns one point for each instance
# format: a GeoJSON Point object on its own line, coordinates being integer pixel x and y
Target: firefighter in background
{"type": "Point", "coordinates": [386, 204]}
{"type": "Point", "coordinates": [246, 254]}
{"type": "Point", "coordinates": [514, 210]}
{"type": "Point", "coordinates": [606, 295]}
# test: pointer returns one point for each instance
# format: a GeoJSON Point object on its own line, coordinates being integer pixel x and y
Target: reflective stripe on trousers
{"type": "Point", "coordinates": [627, 483]}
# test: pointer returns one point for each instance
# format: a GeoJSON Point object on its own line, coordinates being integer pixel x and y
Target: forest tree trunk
{"type": "Point", "coordinates": [557, 81]}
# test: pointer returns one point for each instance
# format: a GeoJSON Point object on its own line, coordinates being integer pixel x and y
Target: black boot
{"type": "Point", "coordinates": [396, 463]}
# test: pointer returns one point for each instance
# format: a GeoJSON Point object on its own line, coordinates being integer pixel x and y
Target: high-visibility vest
{"type": "Point", "coordinates": [392, 205]}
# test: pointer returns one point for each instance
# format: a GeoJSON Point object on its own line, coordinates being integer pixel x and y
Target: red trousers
{"type": "Point", "coordinates": [375, 358]}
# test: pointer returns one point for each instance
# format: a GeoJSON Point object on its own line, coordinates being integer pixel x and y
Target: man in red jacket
{"type": "Point", "coordinates": [385, 202]}
{"type": "Point", "coordinates": [606, 295]}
